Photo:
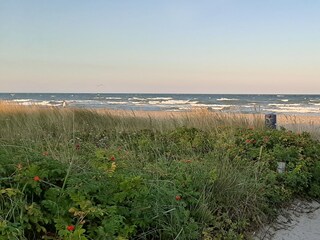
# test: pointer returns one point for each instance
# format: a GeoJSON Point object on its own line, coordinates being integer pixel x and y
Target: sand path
{"type": "Point", "coordinates": [300, 222]}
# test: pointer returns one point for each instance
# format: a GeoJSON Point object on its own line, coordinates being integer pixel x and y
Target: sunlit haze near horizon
{"type": "Point", "coordinates": [168, 46]}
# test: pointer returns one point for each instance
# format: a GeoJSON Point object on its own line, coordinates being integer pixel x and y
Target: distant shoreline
{"type": "Point", "coordinates": [225, 103]}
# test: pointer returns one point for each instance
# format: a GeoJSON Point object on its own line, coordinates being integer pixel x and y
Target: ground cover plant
{"type": "Point", "coordinates": [79, 174]}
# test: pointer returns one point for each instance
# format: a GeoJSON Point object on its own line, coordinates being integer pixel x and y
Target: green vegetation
{"type": "Point", "coordinates": [77, 174]}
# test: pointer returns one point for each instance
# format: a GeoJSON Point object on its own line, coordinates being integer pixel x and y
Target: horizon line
{"type": "Point", "coordinates": [153, 93]}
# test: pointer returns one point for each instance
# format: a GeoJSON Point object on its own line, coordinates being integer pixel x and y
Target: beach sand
{"type": "Point", "coordinates": [300, 221]}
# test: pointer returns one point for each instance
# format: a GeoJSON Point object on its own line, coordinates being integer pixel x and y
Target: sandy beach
{"type": "Point", "coordinates": [300, 221]}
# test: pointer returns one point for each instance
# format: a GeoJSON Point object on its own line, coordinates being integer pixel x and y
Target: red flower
{"type": "Point", "coordinates": [45, 153]}
{"type": "Point", "coordinates": [248, 141]}
{"type": "Point", "coordinates": [70, 228]}
{"type": "Point", "coordinates": [178, 197]}
{"type": "Point", "coordinates": [77, 146]}
{"type": "Point", "coordinates": [112, 158]}
{"type": "Point", "coordinates": [36, 178]}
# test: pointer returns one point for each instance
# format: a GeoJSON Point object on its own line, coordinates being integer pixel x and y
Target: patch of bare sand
{"type": "Point", "coordinates": [301, 221]}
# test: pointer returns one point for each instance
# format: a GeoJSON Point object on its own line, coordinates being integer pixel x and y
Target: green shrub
{"type": "Point", "coordinates": [124, 179]}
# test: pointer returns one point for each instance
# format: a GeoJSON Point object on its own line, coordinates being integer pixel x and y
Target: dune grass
{"type": "Point", "coordinates": [85, 174]}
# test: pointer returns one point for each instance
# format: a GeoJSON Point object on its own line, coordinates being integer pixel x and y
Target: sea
{"type": "Point", "coordinates": [234, 103]}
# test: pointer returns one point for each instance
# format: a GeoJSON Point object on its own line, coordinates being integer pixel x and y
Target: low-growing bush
{"type": "Point", "coordinates": [180, 183]}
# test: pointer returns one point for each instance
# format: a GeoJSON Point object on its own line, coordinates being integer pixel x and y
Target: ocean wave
{"type": "Point", "coordinates": [294, 110]}
{"type": "Point", "coordinates": [113, 98]}
{"type": "Point", "coordinates": [284, 105]}
{"type": "Point", "coordinates": [86, 102]}
{"type": "Point", "coordinates": [137, 103]}
{"type": "Point", "coordinates": [284, 100]}
{"type": "Point", "coordinates": [227, 99]}
{"type": "Point", "coordinates": [160, 98]}
{"type": "Point", "coordinates": [22, 100]}
{"type": "Point", "coordinates": [114, 102]}
{"type": "Point", "coordinates": [33, 102]}
{"type": "Point", "coordinates": [137, 98]}
{"type": "Point", "coordinates": [41, 103]}
{"type": "Point", "coordinates": [106, 98]}
{"type": "Point", "coordinates": [211, 105]}
{"type": "Point", "coordinates": [314, 103]}
{"type": "Point", "coordinates": [169, 102]}
{"type": "Point", "coordinates": [247, 106]}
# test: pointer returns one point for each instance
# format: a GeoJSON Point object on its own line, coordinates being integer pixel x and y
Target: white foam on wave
{"type": "Point", "coordinates": [210, 105]}
{"type": "Point", "coordinates": [114, 102]}
{"type": "Point", "coordinates": [169, 102]}
{"type": "Point", "coordinates": [227, 99]}
{"type": "Point", "coordinates": [184, 104]}
{"type": "Point", "coordinates": [41, 103]}
{"type": "Point", "coordinates": [284, 100]}
{"type": "Point", "coordinates": [160, 98]}
{"type": "Point", "coordinates": [138, 103]}
{"type": "Point", "coordinates": [113, 98]}
{"type": "Point", "coordinates": [136, 98]}
{"type": "Point", "coordinates": [294, 110]}
{"type": "Point", "coordinates": [247, 106]}
{"type": "Point", "coordinates": [45, 103]}
{"type": "Point", "coordinates": [284, 105]}
{"type": "Point", "coordinates": [86, 102]}
{"type": "Point", "coordinates": [22, 100]}
{"type": "Point", "coordinates": [26, 103]}
{"type": "Point", "coordinates": [107, 98]}
{"type": "Point", "coordinates": [33, 102]}
{"type": "Point", "coordinates": [314, 103]}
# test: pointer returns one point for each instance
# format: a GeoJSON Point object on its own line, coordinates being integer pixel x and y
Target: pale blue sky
{"type": "Point", "coordinates": [167, 46]}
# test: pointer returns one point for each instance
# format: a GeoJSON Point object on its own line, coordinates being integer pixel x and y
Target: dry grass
{"type": "Point", "coordinates": [23, 119]}
{"type": "Point", "coordinates": [300, 124]}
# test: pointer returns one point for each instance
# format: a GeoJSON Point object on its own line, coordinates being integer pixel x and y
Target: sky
{"type": "Point", "coordinates": [165, 46]}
